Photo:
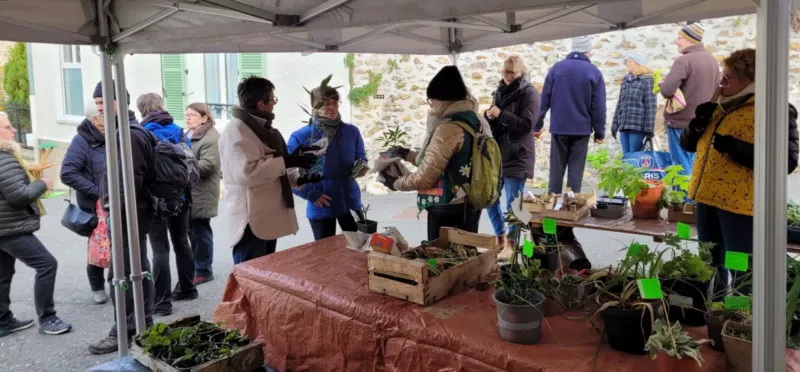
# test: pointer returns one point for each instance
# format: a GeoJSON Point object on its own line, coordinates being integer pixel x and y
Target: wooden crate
{"type": "Point", "coordinates": [410, 280]}
{"type": "Point", "coordinates": [686, 215]}
{"type": "Point", "coordinates": [550, 212]}
{"type": "Point", "coordinates": [245, 359]}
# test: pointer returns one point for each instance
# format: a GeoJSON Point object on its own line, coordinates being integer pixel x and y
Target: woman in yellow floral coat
{"type": "Point", "coordinates": [722, 134]}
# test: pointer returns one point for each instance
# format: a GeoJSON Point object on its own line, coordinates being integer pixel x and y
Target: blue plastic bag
{"type": "Point", "coordinates": [654, 162]}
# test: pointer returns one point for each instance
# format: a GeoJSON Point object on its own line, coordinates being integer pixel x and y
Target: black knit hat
{"type": "Point", "coordinates": [447, 85]}
{"type": "Point", "coordinates": [98, 91]}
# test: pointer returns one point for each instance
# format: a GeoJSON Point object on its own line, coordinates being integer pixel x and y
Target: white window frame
{"type": "Point", "coordinates": [64, 64]}
{"type": "Point", "coordinates": [224, 81]}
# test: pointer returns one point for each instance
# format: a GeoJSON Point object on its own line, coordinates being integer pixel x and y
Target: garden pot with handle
{"type": "Point", "coordinates": [646, 204]}
{"type": "Point", "coordinates": [520, 324]}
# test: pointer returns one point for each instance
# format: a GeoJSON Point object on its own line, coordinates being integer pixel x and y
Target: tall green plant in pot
{"type": "Point", "coordinates": [620, 183]}
{"type": "Point", "coordinates": [686, 280]}
{"type": "Point", "coordinates": [793, 222]}
{"type": "Point", "coordinates": [390, 140]}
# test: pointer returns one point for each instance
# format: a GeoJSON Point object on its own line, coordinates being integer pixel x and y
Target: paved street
{"type": "Point", "coordinates": [30, 351]}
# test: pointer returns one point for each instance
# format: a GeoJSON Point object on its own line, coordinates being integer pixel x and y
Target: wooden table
{"type": "Point", "coordinates": [629, 225]}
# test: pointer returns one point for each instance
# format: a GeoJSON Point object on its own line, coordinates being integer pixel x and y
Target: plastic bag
{"type": "Point", "coordinates": [319, 165]}
{"type": "Point", "coordinates": [654, 162]}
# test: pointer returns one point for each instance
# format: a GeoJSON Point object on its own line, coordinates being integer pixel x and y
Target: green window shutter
{"type": "Point", "coordinates": [173, 85]}
{"type": "Point", "coordinates": [252, 64]}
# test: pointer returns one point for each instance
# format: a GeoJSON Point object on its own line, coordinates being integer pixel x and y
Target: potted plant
{"type": "Point", "coordinates": [686, 278]}
{"type": "Point", "coordinates": [628, 318]}
{"type": "Point", "coordinates": [572, 288]}
{"type": "Point", "coordinates": [316, 103]}
{"type": "Point", "coordinates": [793, 222]}
{"type": "Point", "coordinates": [673, 349]}
{"type": "Point", "coordinates": [618, 178]}
{"type": "Point", "coordinates": [738, 340]}
{"type": "Point", "coordinates": [676, 189]}
{"type": "Point", "coordinates": [646, 204]}
{"type": "Point", "coordinates": [364, 224]}
{"type": "Point", "coordinates": [390, 139]}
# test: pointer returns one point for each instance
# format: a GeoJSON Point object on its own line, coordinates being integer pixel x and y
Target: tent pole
{"type": "Point", "coordinates": [134, 249]}
{"type": "Point", "coordinates": [771, 165]}
{"type": "Point", "coordinates": [114, 199]}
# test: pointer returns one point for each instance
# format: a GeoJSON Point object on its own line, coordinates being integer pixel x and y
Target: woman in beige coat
{"type": "Point", "coordinates": [258, 202]}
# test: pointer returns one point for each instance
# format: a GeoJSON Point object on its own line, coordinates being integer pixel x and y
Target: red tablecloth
{"type": "Point", "coordinates": [312, 308]}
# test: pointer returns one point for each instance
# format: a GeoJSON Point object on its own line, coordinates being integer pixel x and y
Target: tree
{"type": "Point", "coordinates": [15, 79]}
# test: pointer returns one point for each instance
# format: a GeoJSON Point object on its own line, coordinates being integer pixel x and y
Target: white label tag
{"type": "Point", "coordinates": [682, 301]}
{"type": "Point", "coordinates": [559, 204]}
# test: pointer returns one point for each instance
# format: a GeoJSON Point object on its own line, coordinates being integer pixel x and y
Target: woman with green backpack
{"type": "Point", "coordinates": [448, 188]}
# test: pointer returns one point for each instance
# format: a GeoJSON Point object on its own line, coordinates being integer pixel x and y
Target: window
{"type": "Point", "coordinates": [223, 72]}
{"type": "Point", "coordinates": [173, 85]}
{"type": "Point", "coordinates": [72, 76]}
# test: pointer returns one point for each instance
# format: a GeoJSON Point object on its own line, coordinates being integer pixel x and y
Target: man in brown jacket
{"type": "Point", "coordinates": [696, 73]}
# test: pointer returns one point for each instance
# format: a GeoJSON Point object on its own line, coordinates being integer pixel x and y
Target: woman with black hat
{"type": "Point", "coordinates": [444, 160]}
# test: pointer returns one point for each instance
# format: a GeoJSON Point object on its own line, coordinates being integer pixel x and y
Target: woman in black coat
{"type": "Point", "coordinates": [512, 117]}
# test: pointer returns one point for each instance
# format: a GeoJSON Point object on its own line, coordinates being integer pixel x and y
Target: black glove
{"type": "Point", "coordinates": [401, 151]}
{"type": "Point", "coordinates": [388, 181]}
{"type": "Point", "coordinates": [306, 180]}
{"type": "Point", "coordinates": [301, 157]}
{"type": "Point", "coordinates": [614, 134]}
{"type": "Point", "coordinates": [724, 144]}
{"type": "Point", "coordinates": [702, 116]}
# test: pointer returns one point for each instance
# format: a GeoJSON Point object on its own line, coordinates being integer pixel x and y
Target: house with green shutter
{"type": "Point", "coordinates": [64, 76]}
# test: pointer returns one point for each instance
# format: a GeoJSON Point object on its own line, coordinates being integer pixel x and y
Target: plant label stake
{"type": "Point", "coordinates": [650, 289]}
{"type": "Point", "coordinates": [549, 226]}
{"type": "Point", "coordinates": [433, 263]}
{"type": "Point", "coordinates": [527, 248]}
{"type": "Point", "coordinates": [737, 302]}
{"type": "Point", "coordinates": [634, 250]}
{"type": "Point", "coordinates": [684, 231]}
{"type": "Point", "coordinates": [736, 261]}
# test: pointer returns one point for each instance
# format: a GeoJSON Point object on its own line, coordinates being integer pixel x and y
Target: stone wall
{"type": "Point", "coordinates": [400, 99]}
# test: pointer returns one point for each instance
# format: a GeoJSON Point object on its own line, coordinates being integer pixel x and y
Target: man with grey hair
{"type": "Point", "coordinates": [580, 91]}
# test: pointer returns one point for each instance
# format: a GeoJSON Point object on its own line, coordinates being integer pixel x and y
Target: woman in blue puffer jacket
{"type": "Point", "coordinates": [338, 193]}
{"type": "Point", "coordinates": [159, 122]}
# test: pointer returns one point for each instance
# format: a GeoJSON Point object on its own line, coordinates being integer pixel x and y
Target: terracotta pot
{"type": "Point", "coordinates": [666, 363]}
{"type": "Point", "coordinates": [738, 352]}
{"type": "Point", "coordinates": [646, 204]}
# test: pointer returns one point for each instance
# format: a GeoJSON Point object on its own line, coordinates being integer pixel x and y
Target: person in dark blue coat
{"type": "Point", "coordinates": [82, 170]}
{"type": "Point", "coordinates": [162, 125]}
{"type": "Point", "coordinates": [332, 199]}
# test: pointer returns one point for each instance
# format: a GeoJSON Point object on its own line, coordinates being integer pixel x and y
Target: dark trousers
{"type": "Point", "coordinates": [567, 154]}
{"type": "Point", "coordinates": [162, 231]}
{"type": "Point", "coordinates": [326, 228]}
{"type": "Point", "coordinates": [97, 279]}
{"type": "Point", "coordinates": [460, 216]}
{"type": "Point", "coordinates": [202, 239]}
{"type": "Point", "coordinates": [730, 232]}
{"type": "Point", "coordinates": [30, 251]}
{"type": "Point", "coordinates": [144, 216]}
{"type": "Point", "coordinates": [250, 247]}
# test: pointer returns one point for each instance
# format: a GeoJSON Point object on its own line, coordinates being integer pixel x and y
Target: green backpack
{"type": "Point", "coordinates": [483, 189]}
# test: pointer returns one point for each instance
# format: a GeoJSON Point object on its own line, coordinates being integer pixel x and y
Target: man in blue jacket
{"type": "Point", "coordinates": [578, 89]}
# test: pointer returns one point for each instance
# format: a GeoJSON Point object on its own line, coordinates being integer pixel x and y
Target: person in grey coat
{"type": "Point", "coordinates": [205, 195]}
{"type": "Point", "coordinates": [20, 212]}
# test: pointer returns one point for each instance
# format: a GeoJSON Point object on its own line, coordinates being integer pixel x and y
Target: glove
{"type": "Point", "coordinates": [388, 181]}
{"type": "Point", "coordinates": [301, 157]}
{"type": "Point", "coordinates": [705, 111]}
{"type": "Point", "coordinates": [401, 151]}
{"type": "Point", "coordinates": [724, 144]}
{"type": "Point", "coordinates": [306, 180]}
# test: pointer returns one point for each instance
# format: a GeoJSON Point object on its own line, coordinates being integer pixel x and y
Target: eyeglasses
{"type": "Point", "coordinates": [273, 100]}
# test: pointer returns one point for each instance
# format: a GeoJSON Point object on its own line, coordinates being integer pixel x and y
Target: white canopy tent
{"type": "Point", "coordinates": [419, 27]}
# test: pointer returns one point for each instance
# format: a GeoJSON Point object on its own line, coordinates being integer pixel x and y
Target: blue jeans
{"type": "Point", "coordinates": [512, 188]}
{"type": "Point", "coordinates": [202, 238]}
{"type": "Point", "coordinates": [251, 247]}
{"type": "Point", "coordinates": [679, 156]}
{"type": "Point", "coordinates": [631, 140]}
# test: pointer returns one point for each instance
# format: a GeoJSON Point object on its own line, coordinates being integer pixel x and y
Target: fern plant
{"type": "Point", "coordinates": [674, 341]}
{"type": "Point", "coordinates": [318, 102]}
{"type": "Point", "coordinates": [391, 138]}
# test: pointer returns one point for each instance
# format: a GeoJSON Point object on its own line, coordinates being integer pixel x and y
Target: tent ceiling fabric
{"type": "Point", "coordinates": [360, 26]}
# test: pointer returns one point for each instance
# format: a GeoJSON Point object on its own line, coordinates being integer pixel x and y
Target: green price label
{"type": "Point", "coordinates": [650, 289]}
{"type": "Point", "coordinates": [737, 302]}
{"type": "Point", "coordinates": [433, 262]}
{"type": "Point", "coordinates": [684, 231]}
{"type": "Point", "coordinates": [634, 249]}
{"type": "Point", "coordinates": [549, 226]}
{"type": "Point", "coordinates": [527, 248]}
{"type": "Point", "coordinates": [736, 261]}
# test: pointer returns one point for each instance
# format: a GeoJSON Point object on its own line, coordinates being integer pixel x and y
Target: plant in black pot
{"type": "Point", "coordinates": [793, 222]}
{"type": "Point", "coordinates": [390, 139]}
{"type": "Point", "coordinates": [616, 178]}
{"type": "Point", "coordinates": [364, 224]}
{"type": "Point", "coordinates": [572, 288]}
{"type": "Point", "coordinates": [685, 279]}
{"type": "Point", "coordinates": [627, 317]}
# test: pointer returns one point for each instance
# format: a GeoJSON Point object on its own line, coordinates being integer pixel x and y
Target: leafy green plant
{"type": "Point", "coordinates": [523, 276]}
{"type": "Point", "coordinates": [793, 214]}
{"type": "Point", "coordinates": [687, 265]}
{"type": "Point", "coordinates": [15, 75]}
{"type": "Point", "coordinates": [360, 94]}
{"type": "Point", "coordinates": [393, 137]}
{"type": "Point", "coordinates": [618, 287]}
{"type": "Point", "coordinates": [186, 347]}
{"type": "Point", "coordinates": [316, 103]}
{"type": "Point", "coordinates": [598, 159]}
{"type": "Point", "coordinates": [672, 340]}
{"type": "Point", "coordinates": [622, 177]}
{"type": "Point", "coordinates": [676, 186]}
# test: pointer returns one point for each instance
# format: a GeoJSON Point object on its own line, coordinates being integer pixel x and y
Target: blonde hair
{"type": "Point", "coordinates": [516, 63]}
{"type": "Point", "coordinates": [148, 103]}
{"type": "Point", "coordinates": [642, 70]}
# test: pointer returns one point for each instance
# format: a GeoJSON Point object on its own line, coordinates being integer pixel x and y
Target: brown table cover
{"type": "Point", "coordinates": [312, 308]}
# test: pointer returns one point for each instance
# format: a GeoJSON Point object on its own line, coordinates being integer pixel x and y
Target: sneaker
{"type": "Point", "coordinates": [106, 345]}
{"type": "Point", "coordinates": [100, 297]}
{"type": "Point", "coordinates": [505, 254]}
{"type": "Point", "coordinates": [15, 326]}
{"type": "Point", "coordinates": [202, 279]}
{"type": "Point", "coordinates": [184, 296]}
{"type": "Point", "coordinates": [54, 326]}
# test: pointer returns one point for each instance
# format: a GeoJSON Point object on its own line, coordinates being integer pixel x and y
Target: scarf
{"type": "Point", "coordinates": [328, 126]}
{"type": "Point", "coordinates": [729, 103]}
{"type": "Point", "coordinates": [200, 132]}
{"type": "Point", "coordinates": [506, 94]}
{"type": "Point", "coordinates": [440, 115]}
{"type": "Point", "coordinates": [260, 123]}
{"type": "Point", "coordinates": [13, 148]}
{"type": "Point", "coordinates": [91, 134]}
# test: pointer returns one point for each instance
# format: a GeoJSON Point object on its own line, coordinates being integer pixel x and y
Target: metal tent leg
{"type": "Point", "coordinates": [771, 152]}
{"type": "Point", "coordinates": [134, 248]}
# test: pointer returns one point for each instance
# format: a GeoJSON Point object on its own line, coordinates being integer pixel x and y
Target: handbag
{"type": "Point", "coordinates": [676, 103]}
{"type": "Point", "coordinates": [78, 221]}
{"type": "Point", "coordinates": [99, 251]}
{"type": "Point", "coordinates": [653, 162]}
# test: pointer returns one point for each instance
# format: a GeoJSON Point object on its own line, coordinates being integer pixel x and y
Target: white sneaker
{"type": "Point", "coordinates": [100, 297]}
